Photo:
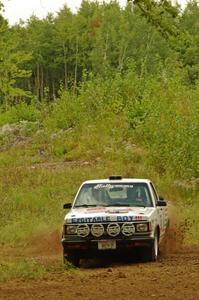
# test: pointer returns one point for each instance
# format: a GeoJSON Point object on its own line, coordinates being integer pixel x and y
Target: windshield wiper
{"type": "Point", "coordinates": [85, 205]}
{"type": "Point", "coordinates": [117, 204]}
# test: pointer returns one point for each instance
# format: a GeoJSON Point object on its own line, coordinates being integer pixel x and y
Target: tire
{"type": "Point", "coordinates": [72, 259]}
{"type": "Point", "coordinates": [153, 251]}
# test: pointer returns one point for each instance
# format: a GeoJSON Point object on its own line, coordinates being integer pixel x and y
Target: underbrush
{"type": "Point", "coordinates": [25, 268]}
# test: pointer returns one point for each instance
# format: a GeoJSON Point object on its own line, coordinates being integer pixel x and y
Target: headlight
{"type": "Point", "coordinates": [71, 229]}
{"type": "Point", "coordinates": [142, 227]}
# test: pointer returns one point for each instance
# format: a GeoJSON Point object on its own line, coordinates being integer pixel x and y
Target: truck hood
{"type": "Point", "coordinates": [108, 214]}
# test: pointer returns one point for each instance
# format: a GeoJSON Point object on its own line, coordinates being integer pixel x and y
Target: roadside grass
{"type": "Point", "coordinates": [39, 175]}
{"type": "Point", "coordinates": [190, 215]}
{"type": "Point", "coordinates": [25, 269]}
{"type": "Point", "coordinates": [32, 197]}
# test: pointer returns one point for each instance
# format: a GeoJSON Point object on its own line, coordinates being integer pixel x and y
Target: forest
{"type": "Point", "coordinates": [107, 59]}
{"type": "Point", "coordinates": [40, 57]}
{"type": "Point", "coordinates": [106, 90]}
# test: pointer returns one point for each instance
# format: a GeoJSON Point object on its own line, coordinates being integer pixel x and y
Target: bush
{"type": "Point", "coordinates": [65, 112]}
{"type": "Point", "coordinates": [20, 112]}
{"type": "Point", "coordinates": [169, 129]}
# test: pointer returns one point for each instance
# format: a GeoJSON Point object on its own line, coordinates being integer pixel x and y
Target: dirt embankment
{"type": "Point", "coordinates": [175, 276]}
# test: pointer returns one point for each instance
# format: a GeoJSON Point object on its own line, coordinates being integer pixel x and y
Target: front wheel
{"type": "Point", "coordinates": [153, 251]}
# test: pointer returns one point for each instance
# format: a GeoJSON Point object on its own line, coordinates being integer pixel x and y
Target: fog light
{"type": "Point", "coordinates": [128, 229]}
{"type": "Point", "coordinates": [113, 229]}
{"type": "Point", "coordinates": [83, 230]}
{"type": "Point", "coordinates": [97, 230]}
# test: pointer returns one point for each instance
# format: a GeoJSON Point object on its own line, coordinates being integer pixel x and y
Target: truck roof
{"type": "Point", "coordinates": [123, 180]}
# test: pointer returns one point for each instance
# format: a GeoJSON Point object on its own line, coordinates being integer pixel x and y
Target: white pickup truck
{"type": "Point", "coordinates": [114, 215]}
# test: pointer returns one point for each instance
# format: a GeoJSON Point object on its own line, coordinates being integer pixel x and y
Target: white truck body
{"type": "Point", "coordinates": [117, 223]}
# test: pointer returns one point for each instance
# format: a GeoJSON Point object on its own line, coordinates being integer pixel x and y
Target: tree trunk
{"type": "Point", "coordinates": [122, 56]}
{"type": "Point", "coordinates": [106, 47]}
{"type": "Point", "coordinates": [38, 82]}
{"type": "Point", "coordinates": [42, 84]}
{"type": "Point", "coordinates": [53, 89]}
{"type": "Point", "coordinates": [65, 68]}
{"type": "Point", "coordinates": [76, 61]}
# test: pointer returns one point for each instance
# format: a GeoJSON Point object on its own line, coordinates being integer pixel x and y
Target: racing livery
{"type": "Point", "coordinates": [115, 215]}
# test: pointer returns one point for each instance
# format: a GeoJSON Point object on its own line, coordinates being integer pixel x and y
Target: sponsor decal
{"type": "Point", "coordinates": [110, 211]}
{"type": "Point", "coordinates": [118, 211]}
{"type": "Point", "coordinates": [138, 218]}
{"type": "Point", "coordinates": [91, 219]}
{"type": "Point", "coordinates": [95, 210]}
{"type": "Point", "coordinates": [111, 186]}
{"type": "Point", "coordinates": [105, 219]}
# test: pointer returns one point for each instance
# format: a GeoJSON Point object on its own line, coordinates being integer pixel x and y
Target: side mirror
{"type": "Point", "coordinates": [67, 205]}
{"type": "Point", "coordinates": [161, 203]}
{"type": "Point", "coordinates": [161, 198]}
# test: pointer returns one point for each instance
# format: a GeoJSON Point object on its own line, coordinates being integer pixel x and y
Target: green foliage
{"type": "Point", "coordinates": [161, 14]}
{"type": "Point", "coordinates": [65, 112]}
{"type": "Point", "coordinates": [44, 54]}
{"type": "Point", "coordinates": [166, 127]}
{"type": "Point", "coordinates": [57, 50]}
{"type": "Point", "coordinates": [11, 60]}
{"type": "Point", "coordinates": [26, 269]}
{"type": "Point", "coordinates": [19, 112]}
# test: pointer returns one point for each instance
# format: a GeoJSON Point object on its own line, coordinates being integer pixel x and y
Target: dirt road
{"type": "Point", "coordinates": [174, 276]}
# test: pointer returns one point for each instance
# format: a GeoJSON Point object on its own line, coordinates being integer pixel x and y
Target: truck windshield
{"type": "Point", "coordinates": [114, 194]}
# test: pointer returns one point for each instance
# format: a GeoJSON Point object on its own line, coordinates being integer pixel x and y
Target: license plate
{"type": "Point", "coordinates": [104, 245]}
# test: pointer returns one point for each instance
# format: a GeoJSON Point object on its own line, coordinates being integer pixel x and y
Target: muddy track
{"type": "Point", "coordinates": [174, 276]}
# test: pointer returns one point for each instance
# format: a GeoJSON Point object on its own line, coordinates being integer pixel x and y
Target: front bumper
{"type": "Point", "coordinates": [89, 248]}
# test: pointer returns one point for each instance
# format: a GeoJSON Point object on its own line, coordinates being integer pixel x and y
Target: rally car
{"type": "Point", "coordinates": [114, 215]}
